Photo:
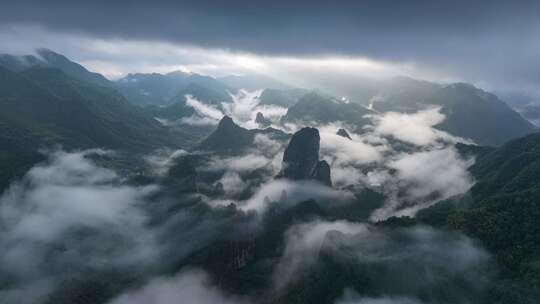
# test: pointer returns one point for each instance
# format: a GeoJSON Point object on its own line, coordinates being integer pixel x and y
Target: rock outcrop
{"type": "Point", "coordinates": [343, 133]}
{"type": "Point", "coordinates": [230, 138]}
{"type": "Point", "coordinates": [301, 158]}
{"type": "Point", "coordinates": [262, 121]}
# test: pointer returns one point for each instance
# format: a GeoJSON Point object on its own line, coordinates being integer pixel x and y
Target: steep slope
{"type": "Point", "coordinates": [462, 104]}
{"type": "Point", "coordinates": [402, 94]}
{"type": "Point", "coordinates": [230, 138]}
{"type": "Point", "coordinates": [531, 112]}
{"type": "Point", "coordinates": [50, 59]}
{"type": "Point", "coordinates": [205, 89]}
{"type": "Point", "coordinates": [43, 107]}
{"type": "Point", "coordinates": [97, 114]}
{"type": "Point", "coordinates": [343, 133]}
{"type": "Point", "coordinates": [502, 210]}
{"type": "Point", "coordinates": [163, 89]}
{"type": "Point", "coordinates": [301, 158]}
{"type": "Point", "coordinates": [173, 111]}
{"type": "Point", "coordinates": [152, 89]}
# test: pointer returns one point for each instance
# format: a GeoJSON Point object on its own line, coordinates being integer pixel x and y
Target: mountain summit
{"type": "Point", "coordinates": [301, 158]}
{"type": "Point", "coordinates": [230, 138]}
{"type": "Point", "coordinates": [343, 133]}
{"type": "Point", "coordinates": [262, 121]}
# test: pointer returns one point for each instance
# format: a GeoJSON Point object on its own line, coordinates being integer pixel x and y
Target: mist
{"type": "Point", "coordinates": [399, 265]}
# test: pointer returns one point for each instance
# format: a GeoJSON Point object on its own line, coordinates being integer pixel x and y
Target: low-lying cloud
{"type": "Point", "coordinates": [191, 286]}
{"type": "Point", "coordinates": [243, 110]}
{"type": "Point", "coordinates": [422, 179]}
{"type": "Point", "coordinates": [396, 264]}
{"type": "Point", "coordinates": [205, 114]}
{"type": "Point", "coordinates": [288, 193]}
{"type": "Point", "coordinates": [415, 128]}
{"type": "Point", "coordinates": [162, 160]}
{"type": "Point", "coordinates": [53, 219]}
{"type": "Point", "coordinates": [442, 171]}
{"type": "Point", "coordinates": [351, 297]}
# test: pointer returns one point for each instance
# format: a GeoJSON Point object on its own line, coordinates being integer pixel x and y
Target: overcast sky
{"type": "Point", "coordinates": [495, 44]}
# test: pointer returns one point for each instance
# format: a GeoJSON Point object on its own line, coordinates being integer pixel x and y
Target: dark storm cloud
{"type": "Point", "coordinates": [373, 27]}
{"type": "Point", "coordinates": [486, 42]}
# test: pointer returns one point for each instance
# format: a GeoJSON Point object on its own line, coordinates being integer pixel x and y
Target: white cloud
{"type": "Point", "coordinates": [291, 192]}
{"type": "Point", "coordinates": [303, 243]}
{"type": "Point", "coordinates": [242, 107]}
{"type": "Point", "coordinates": [352, 298]}
{"type": "Point", "coordinates": [343, 151]}
{"type": "Point", "coordinates": [416, 128]}
{"type": "Point", "coordinates": [243, 110]}
{"type": "Point", "coordinates": [245, 105]}
{"type": "Point", "coordinates": [346, 175]}
{"type": "Point", "coordinates": [161, 161]}
{"type": "Point", "coordinates": [422, 174]}
{"type": "Point", "coordinates": [244, 163]}
{"type": "Point", "coordinates": [70, 203]}
{"type": "Point", "coordinates": [402, 263]}
{"type": "Point", "coordinates": [204, 110]}
{"type": "Point", "coordinates": [232, 183]}
{"type": "Point", "coordinates": [440, 171]}
{"type": "Point", "coordinates": [190, 287]}
{"type": "Point", "coordinates": [266, 145]}
{"type": "Point", "coordinates": [195, 120]}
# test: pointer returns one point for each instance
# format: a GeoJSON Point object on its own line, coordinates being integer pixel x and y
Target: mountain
{"type": "Point", "coordinates": [230, 138]}
{"type": "Point", "coordinates": [502, 210]}
{"type": "Point", "coordinates": [462, 105]}
{"type": "Point", "coordinates": [43, 107]}
{"type": "Point", "coordinates": [531, 112]}
{"type": "Point", "coordinates": [162, 89]}
{"type": "Point", "coordinates": [282, 98]}
{"type": "Point", "coordinates": [50, 59]}
{"type": "Point", "coordinates": [343, 133]}
{"type": "Point", "coordinates": [154, 88]}
{"type": "Point", "coordinates": [301, 158]}
{"type": "Point", "coordinates": [402, 94]}
{"type": "Point", "coordinates": [172, 111]}
{"type": "Point", "coordinates": [315, 108]}
{"type": "Point", "coordinates": [262, 121]}
{"type": "Point", "coordinates": [207, 90]}
{"type": "Point", "coordinates": [100, 115]}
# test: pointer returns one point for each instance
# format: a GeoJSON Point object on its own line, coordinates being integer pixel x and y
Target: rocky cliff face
{"type": "Point", "coordinates": [262, 121]}
{"type": "Point", "coordinates": [301, 158]}
{"type": "Point", "coordinates": [227, 138]}
{"type": "Point", "coordinates": [343, 133]}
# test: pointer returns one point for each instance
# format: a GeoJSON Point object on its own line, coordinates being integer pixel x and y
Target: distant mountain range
{"type": "Point", "coordinates": [463, 104]}
{"type": "Point", "coordinates": [164, 89]}
{"type": "Point", "coordinates": [470, 113]}
{"type": "Point", "coordinates": [48, 99]}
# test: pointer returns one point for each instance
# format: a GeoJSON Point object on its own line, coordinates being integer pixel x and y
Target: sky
{"type": "Point", "coordinates": [494, 44]}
